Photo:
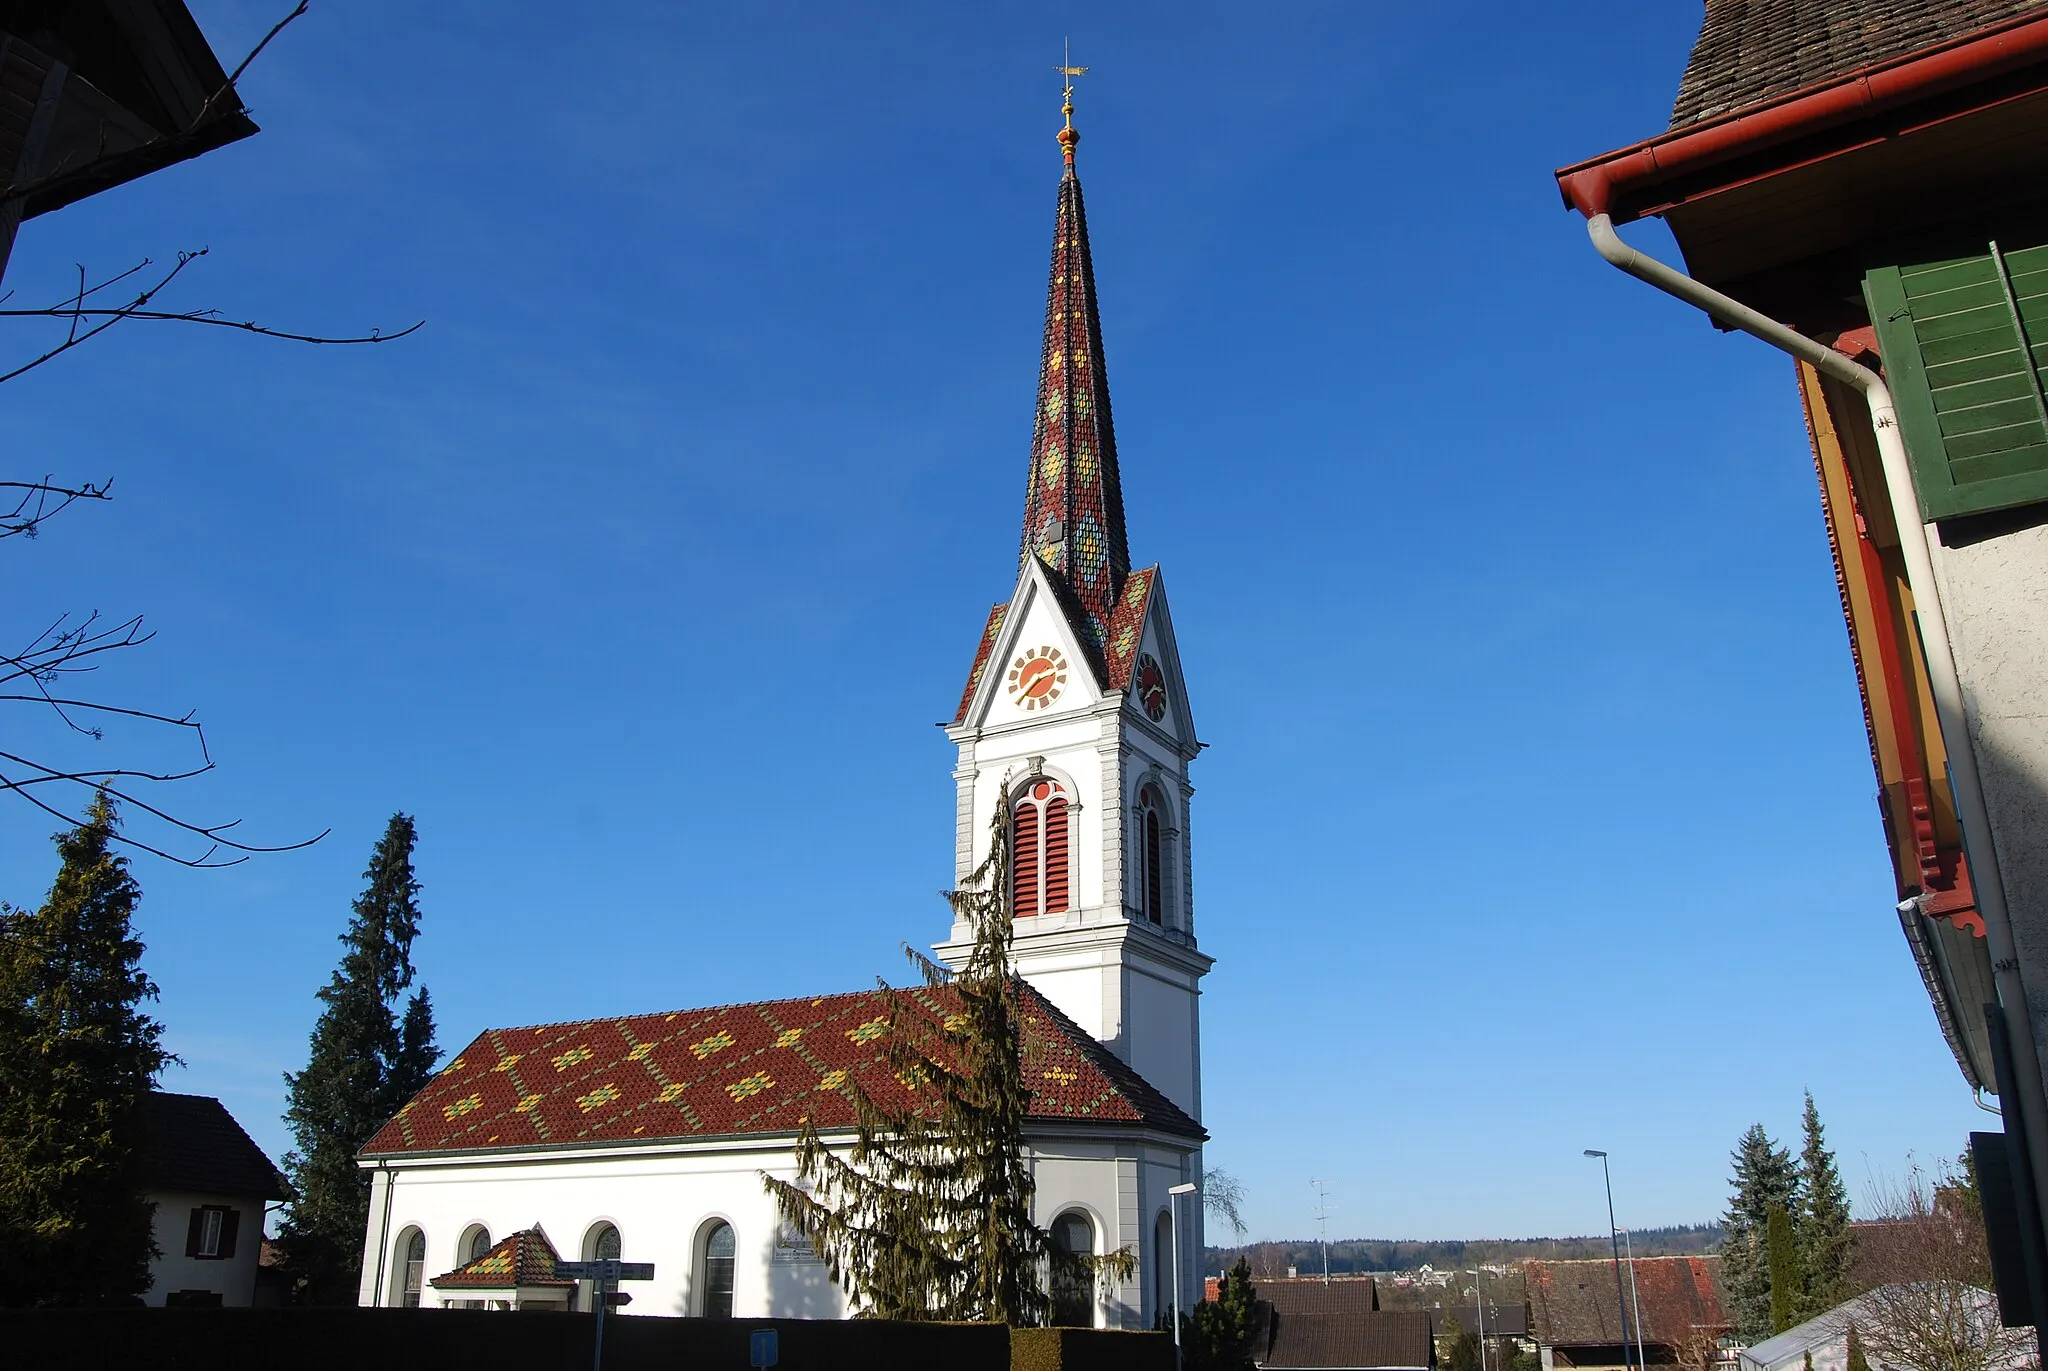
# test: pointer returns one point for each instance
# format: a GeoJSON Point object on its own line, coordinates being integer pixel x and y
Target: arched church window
{"type": "Point", "coordinates": [1155, 863]}
{"type": "Point", "coordinates": [720, 1250]}
{"type": "Point", "coordinates": [1073, 1286]}
{"type": "Point", "coordinates": [1162, 1265]}
{"type": "Point", "coordinates": [412, 1268]}
{"type": "Point", "coordinates": [605, 1243]}
{"type": "Point", "coordinates": [1040, 841]}
{"type": "Point", "coordinates": [475, 1243]}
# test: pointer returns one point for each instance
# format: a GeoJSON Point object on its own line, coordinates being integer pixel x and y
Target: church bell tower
{"type": "Point", "coordinates": [1075, 725]}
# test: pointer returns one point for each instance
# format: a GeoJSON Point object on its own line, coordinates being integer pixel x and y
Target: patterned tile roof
{"type": "Point", "coordinates": [1572, 1303]}
{"type": "Point", "coordinates": [1127, 627]}
{"type": "Point", "coordinates": [989, 634]}
{"type": "Point", "coordinates": [1750, 51]}
{"type": "Point", "coordinates": [1073, 496]}
{"type": "Point", "coordinates": [526, 1258]}
{"type": "Point", "coordinates": [733, 1070]}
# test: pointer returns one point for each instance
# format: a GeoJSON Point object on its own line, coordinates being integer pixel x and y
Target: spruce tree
{"type": "Point", "coordinates": [1822, 1223]}
{"type": "Point", "coordinates": [927, 1215]}
{"type": "Point", "coordinates": [1764, 1176]}
{"type": "Point", "coordinates": [365, 1063]}
{"type": "Point", "coordinates": [1223, 1334]}
{"type": "Point", "coordinates": [1781, 1249]}
{"type": "Point", "coordinates": [77, 1054]}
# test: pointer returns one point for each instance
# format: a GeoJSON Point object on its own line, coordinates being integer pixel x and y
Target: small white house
{"type": "Point", "coordinates": [210, 1184]}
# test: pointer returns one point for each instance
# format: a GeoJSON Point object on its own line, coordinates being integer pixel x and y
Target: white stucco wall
{"type": "Point", "coordinates": [1995, 599]}
{"type": "Point", "coordinates": [661, 1201]}
{"type": "Point", "coordinates": [234, 1278]}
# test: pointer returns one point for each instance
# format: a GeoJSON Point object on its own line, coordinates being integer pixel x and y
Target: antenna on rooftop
{"type": "Point", "coordinates": [1323, 1222]}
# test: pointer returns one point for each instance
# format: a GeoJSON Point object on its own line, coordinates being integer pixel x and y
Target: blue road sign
{"type": "Point", "coordinates": [761, 1348]}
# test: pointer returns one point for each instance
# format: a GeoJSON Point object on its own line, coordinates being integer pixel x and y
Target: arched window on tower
{"type": "Point", "coordinates": [1152, 840]}
{"type": "Point", "coordinates": [1039, 845]}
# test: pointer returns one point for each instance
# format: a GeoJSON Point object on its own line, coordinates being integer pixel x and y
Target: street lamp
{"type": "Point", "coordinates": [1614, 1241]}
{"type": "Point", "coordinates": [1173, 1194]}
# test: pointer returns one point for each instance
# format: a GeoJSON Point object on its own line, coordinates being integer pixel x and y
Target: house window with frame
{"type": "Point", "coordinates": [720, 1250]}
{"type": "Point", "coordinates": [1040, 839]}
{"type": "Point", "coordinates": [211, 1233]}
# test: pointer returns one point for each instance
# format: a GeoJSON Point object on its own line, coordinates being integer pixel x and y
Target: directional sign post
{"type": "Point", "coordinates": [605, 1273]}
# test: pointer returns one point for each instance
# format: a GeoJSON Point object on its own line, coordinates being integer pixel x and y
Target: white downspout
{"type": "Point", "coordinates": [1933, 624]}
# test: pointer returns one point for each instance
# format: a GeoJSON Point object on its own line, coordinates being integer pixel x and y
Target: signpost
{"type": "Point", "coordinates": [762, 1349]}
{"type": "Point", "coordinates": [605, 1273]}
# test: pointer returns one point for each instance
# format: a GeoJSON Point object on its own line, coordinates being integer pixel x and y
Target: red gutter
{"type": "Point", "coordinates": [1594, 186]}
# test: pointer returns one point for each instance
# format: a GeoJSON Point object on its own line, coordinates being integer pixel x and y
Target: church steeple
{"type": "Point", "coordinates": [1073, 503]}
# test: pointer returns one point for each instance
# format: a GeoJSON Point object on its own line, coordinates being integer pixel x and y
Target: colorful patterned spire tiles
{"type": "Point", "coordinates": [1074, 503]}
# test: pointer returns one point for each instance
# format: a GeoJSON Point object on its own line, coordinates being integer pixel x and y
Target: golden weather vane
{"type": "Point", "coordinates": [1068, 135]}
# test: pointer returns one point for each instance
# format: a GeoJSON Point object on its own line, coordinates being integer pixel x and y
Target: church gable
{"type": "Point", "coordinates": [1033, 662]}
{"type": "Point", "coordinates": [734, 1070]}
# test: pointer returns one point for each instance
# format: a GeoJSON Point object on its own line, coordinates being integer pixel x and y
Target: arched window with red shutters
{"type": "Point", "coordinates": [1039, 851]}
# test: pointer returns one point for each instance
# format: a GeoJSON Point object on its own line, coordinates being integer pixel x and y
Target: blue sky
{"type": "Point", "coordinates": [1537, 814]}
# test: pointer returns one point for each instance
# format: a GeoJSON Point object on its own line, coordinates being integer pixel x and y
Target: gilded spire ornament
{"type": "Point", "coordinates": [1069, 135]}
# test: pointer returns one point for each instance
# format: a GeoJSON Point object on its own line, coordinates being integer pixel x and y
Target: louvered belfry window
{"type": "Point", "coordinates": [1039, 851]}
{"type": "Point", "coordinates": [1964, 339]}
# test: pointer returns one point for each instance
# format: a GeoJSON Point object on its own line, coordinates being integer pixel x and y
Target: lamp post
{"type": "Point", "coordinates": [1635, 1301]}
{"type": "Point", "coordinates": [1173, 1194]}
{"type": "Point", "coordinates": [1614, 1240]}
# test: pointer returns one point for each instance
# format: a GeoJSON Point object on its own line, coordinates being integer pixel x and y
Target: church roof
{"type": "Point", "coordinates": [524, 1259]}
{"type": "Point", "coordinates": [1073, 498]}
{"type": "Point", "coordinates": [1112, 662]}
{"type": "Point", "coordinates": [734, 1070]}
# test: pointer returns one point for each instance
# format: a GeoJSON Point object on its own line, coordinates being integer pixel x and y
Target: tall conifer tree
{"type": "Point", "coordinates": [1781, 1253]}
{"type": "Point", "coordinates": [366, 1062]}
{"type": "Point", "coordinates": [1764, 1176]}
{"type": "Point", "coordinates": [927, 1215]}
{"type": "Point", "coordinates": [77, 1054]}
{"type": "Point", "coordinates": [1822, 1223]}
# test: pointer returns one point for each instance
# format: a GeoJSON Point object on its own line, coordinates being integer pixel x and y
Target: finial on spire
{"type": "Point", "coordinates": [1069, 135]}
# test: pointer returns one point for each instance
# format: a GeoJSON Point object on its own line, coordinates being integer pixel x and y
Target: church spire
{"type": "Point", "coordinates": [1074, 504]}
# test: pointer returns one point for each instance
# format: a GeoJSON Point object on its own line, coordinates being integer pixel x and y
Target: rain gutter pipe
{"type": "Point", "coordinates": [1947, 686]}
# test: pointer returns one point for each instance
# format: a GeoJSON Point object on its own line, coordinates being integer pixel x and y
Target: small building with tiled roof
{"type": "Point", "coordinates": [646, 1136]}
{"type": "Point", "coordinates": [517, 1272]}
{"type": "Point", "coordinates": [1340, 1339]}
{"type": "Point", "coordinates": [210, 1183]}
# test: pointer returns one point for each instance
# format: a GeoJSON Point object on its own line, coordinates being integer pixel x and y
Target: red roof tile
{"type": "Point", "coordinates": [989, 635]}
{"type": "Point", "coordinates": [1572, 1303]}
{"type": "Point", "coordinates": [526, 1258]}
{"type": "Point", "coordinates": [732, 1070]}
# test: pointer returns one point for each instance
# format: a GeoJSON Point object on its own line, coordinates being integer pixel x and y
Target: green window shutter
{"type": "Point", "coordinates": [1963, 342]}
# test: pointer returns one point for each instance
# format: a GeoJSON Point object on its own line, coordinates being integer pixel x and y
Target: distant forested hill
{"type": "Point", "coordinates": [1353, 1255]}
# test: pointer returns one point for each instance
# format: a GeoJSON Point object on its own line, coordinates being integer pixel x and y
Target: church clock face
{"type": "Point", "coordinates": [1151, 687]}
{"type": "Point", "coordinates": [1037, 677]}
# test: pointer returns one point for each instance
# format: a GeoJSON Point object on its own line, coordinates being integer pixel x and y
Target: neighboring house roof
{"type": "Point", "coordinates": [191, 1142]}
{"type": "Point", "coordinates": [524, 1260]}
{"type": "Point", "coordinates": [1572, 1303]}
{"type": "Point", "coordinates": [1502, 1320]}
{"type": "Point", "coordinates": [1355, 1338]}
{"type": "Point", "coordinates": [1313, 1295]}
{"type": "Point", "coordinates": [1825, 1337]}
{"type": "Point", "coordinates": [746, 1069]}
{"type": "Point", "coordinates": [1750, 51]}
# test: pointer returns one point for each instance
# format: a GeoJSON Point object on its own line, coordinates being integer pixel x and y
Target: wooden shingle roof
{"type": "Point", "coordinates": [1750, 51]}
{"type": "Point", "coordinates": [735, 1070]}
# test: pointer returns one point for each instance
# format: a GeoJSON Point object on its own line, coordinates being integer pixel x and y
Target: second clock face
{"type": "Point", "coordinates": [1152, 687]}
{"type": "Point", "coordinates": [1037, 677]}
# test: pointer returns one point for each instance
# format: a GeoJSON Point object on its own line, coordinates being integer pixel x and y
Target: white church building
{"type": "Point", "coordinates": [645, 1136]}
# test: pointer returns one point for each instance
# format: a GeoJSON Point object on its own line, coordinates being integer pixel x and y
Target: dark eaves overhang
{"type": "Point", "coordinates": [1867, 106]}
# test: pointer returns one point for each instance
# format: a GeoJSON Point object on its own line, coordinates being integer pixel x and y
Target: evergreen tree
{"type": "Point", "coordinates": [1462, 1346]}
{"type": "Point", "coordinates": [1223, 1334]}
{"type": "Point", "coordinates": [1825, 1239]}
{"type": "Point", "coordinates": [365, 1063]}
{"type": "Point", "coordinates": [1764, 1176]}
{"type": "Point", "coordinates": [1859, 1360]}
{"type": "Point", "coordinates": [927, 1216]}
{"type": "Point", "coordinates": [1782, 1261]}
{"type": "Point", "coordinates": [77, 1054]}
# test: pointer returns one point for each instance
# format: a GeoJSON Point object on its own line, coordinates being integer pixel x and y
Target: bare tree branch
{"type": "Point", "coordinates": [40, 500]}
